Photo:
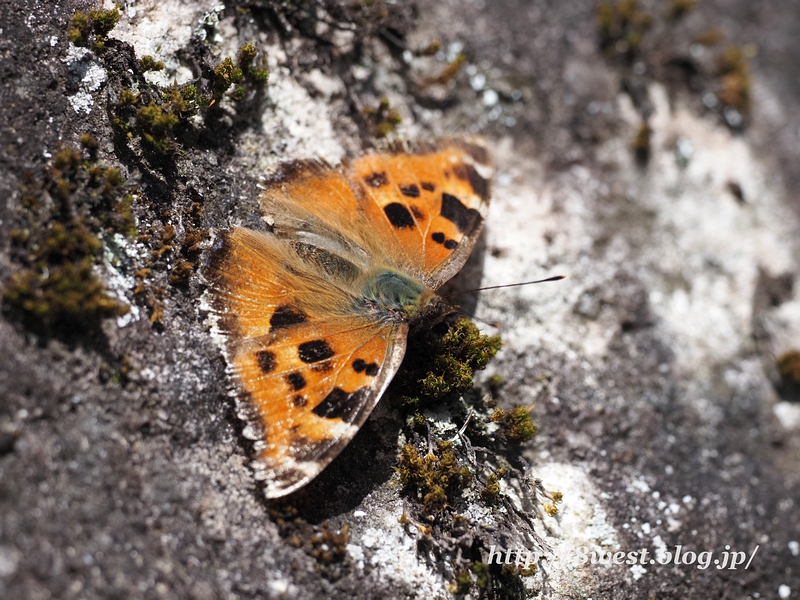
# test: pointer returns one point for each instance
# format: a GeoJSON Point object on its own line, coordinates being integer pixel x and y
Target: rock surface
{"type": "Point", "coordinates": [674, 214]}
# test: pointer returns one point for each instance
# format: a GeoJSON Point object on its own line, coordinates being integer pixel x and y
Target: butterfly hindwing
{"type": "Point", "coordinates": [306, 376]}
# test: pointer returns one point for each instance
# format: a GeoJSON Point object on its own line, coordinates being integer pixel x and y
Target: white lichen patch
{"type": "Point", "coordinates": [581, 526]}
{"type": "Point", "coordinates": [294, 126]}
{"type": "Point", "coordinates": [160, 30]}
{"type": "Point", "coordinates": [86, 74]}
{"type": "Point", "coordinates": [381, 546]}
{"type": "Point", "coordinates": [707, 238]}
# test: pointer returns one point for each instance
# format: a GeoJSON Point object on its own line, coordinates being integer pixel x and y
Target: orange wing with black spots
{"type": "Point", "coordinates": [313, 314]}
{"type": "Point", "coordinates": [306, 375]}
{"type": "Point", "coordinates": [419, 212]}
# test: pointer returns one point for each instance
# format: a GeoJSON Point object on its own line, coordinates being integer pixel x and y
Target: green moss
{"type": "Point", "coordinates": [54, 288]}
{"type": "Point", "coordinates": [461, 584]}
{"type": "Point", "coordinates": [491, 490]}
{"type": "Point", "coordinates": [735, 82]}
{"type": "Point", "coordinates": [225, 75]}
{"type": "Point", "coordinates": [433, 478]}
{"type": "Point", "coordinates": [128, 98]}
{"type": "Point", "coordinates": [91, 144]}
{"type": "Point", "coordinates": [442, 363]}
{"type": "Point", "coordinates": [516, 426]}
{"type": "Point", "coordinates": [678, 8]}
{"type": "Point", "coordinates": [622, 26]}
{"type": "Point", "coordinates": [155, 124]}
{"type": "Point", "coordinates": [246, 55]}
{"type": "Point", "coordinates": [148, 63]}
{"type": "Point", "coordinates": [90, 30]}
{"type": "Point", "coordinates": [641, 143]}
{"type": "Point", "coordinates": [789, 366]}
{"type": "Point", "coordinates": [384, 118]}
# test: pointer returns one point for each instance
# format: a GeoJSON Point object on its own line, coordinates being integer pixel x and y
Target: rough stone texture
{"type": "Point", "coordinates": [651, 366]}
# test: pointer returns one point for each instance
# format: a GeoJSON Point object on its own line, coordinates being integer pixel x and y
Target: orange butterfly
{"type": "Point", "coordinates": [315, 312]}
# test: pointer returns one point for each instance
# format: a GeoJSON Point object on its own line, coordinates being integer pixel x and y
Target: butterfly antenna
{"type": "Point", "coordinates": [507, 285]}
{"type": "Point", "coordinates": [472, 317]}
{"type": "Point", "coordinates": [495, 324]}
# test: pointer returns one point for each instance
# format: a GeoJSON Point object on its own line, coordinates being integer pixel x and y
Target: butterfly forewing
{"type": "Point", "coordinates": [434, 203]}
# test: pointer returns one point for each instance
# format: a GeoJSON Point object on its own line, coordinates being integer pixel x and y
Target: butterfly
{"type": "Point", "coordinates": [313, 313]}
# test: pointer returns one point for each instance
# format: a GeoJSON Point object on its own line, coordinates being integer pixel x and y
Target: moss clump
{"type": "Point", "coordinates": [679, 8]}
{"type": "Point", "coordinates": [384, 118]}
{"type": "Point", "coordinates": [433, 478]}
{"type": "Point", "coordinates": [163, 115]}
{"type": "Point", "coordinates": [443, 363]}
{"type": "Point", "coordinates": [155, 123]}
{"type": "Point", "coordinates": [148, 63]}
{"type": "Point", "coordinates": [735, 82]}
{"type": "Point", "coordinates": [622, 26]}
{"type": "Point", "coordinates": [90, 30]}
{"type": "Point", "coordinates": [55, 288]}
{"type": "Point", "coordinates": [516, 426]}
{"type": "Point", "coordinates": [225, 75]}
{"type": "Point", "coordinates": [245, 58]}
{"type": "Point", "coordinates": [461, 584]}
{"type": "Point", "coordinates": [491, 490]}
{"type": "Point", "coordinates": [641, 143]}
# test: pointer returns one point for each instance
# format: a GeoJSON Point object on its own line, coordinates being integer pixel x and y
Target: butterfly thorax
{"type": "Point", "coordinates": [403, 297]}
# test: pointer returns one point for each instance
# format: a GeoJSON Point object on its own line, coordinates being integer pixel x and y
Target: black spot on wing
{"type": "Point", "coordinates": [377, 180]}
{"type": "Point", "coordinates": [398, 215]}
{"type": "Point", "coordinates": [428, 186]}
{"type": "Point", "coordinates": [299, 401]}
{"type": "Point", "coordinates": [440, 238]}
{"type": "Point", "coordinates": [340, 405]}
{"type": "Point", "coordinates": [453, 210]}
{"type": "Point", "coordinates": [266, 361]}
{"type": "Point", "coordinates": [286, 315]}
{"type": "Point", "coordinates": [412, 191]}
{"type": "Point", "coordinates": [468, 173]}
{"type": "Point", "coordinates": [360, 365]}
{"type": "Point", "coordinates": [314, 351]}
{"type": "Point", "coordinates": [296, 380]}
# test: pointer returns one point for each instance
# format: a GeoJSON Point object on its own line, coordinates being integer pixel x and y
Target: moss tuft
{"type": "Point", "coordinates": [90, 30]}
{"type": "Point", "coordinates": [735, 82]}
{"type": "Point", "coordinates": [384, 118]}
{"type": "Point", "coordinates": [516, 426]}
{"type": "Point", "coordinates": [55, 289]}
{"type": "Point", "coordinates": [148, 63]}
{"type": "Point", "coordinates": [155, 124]}
{"type": "Point", "coordinates": [622, 26]}
{"type": "Point", "coordinates": [679, 8]}
{"type": "Point", "coordinates": [225, 75]}
{"type": "Point", "coordinates": [433, 478]}
{"type": "Point", "coordinates": [444, 363]}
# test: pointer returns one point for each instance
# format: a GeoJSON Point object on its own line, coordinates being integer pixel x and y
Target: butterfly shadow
{"type": "Point", "coordinates": [366, 463]}
{"type": "Point", "coordinates": [468, 278]}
